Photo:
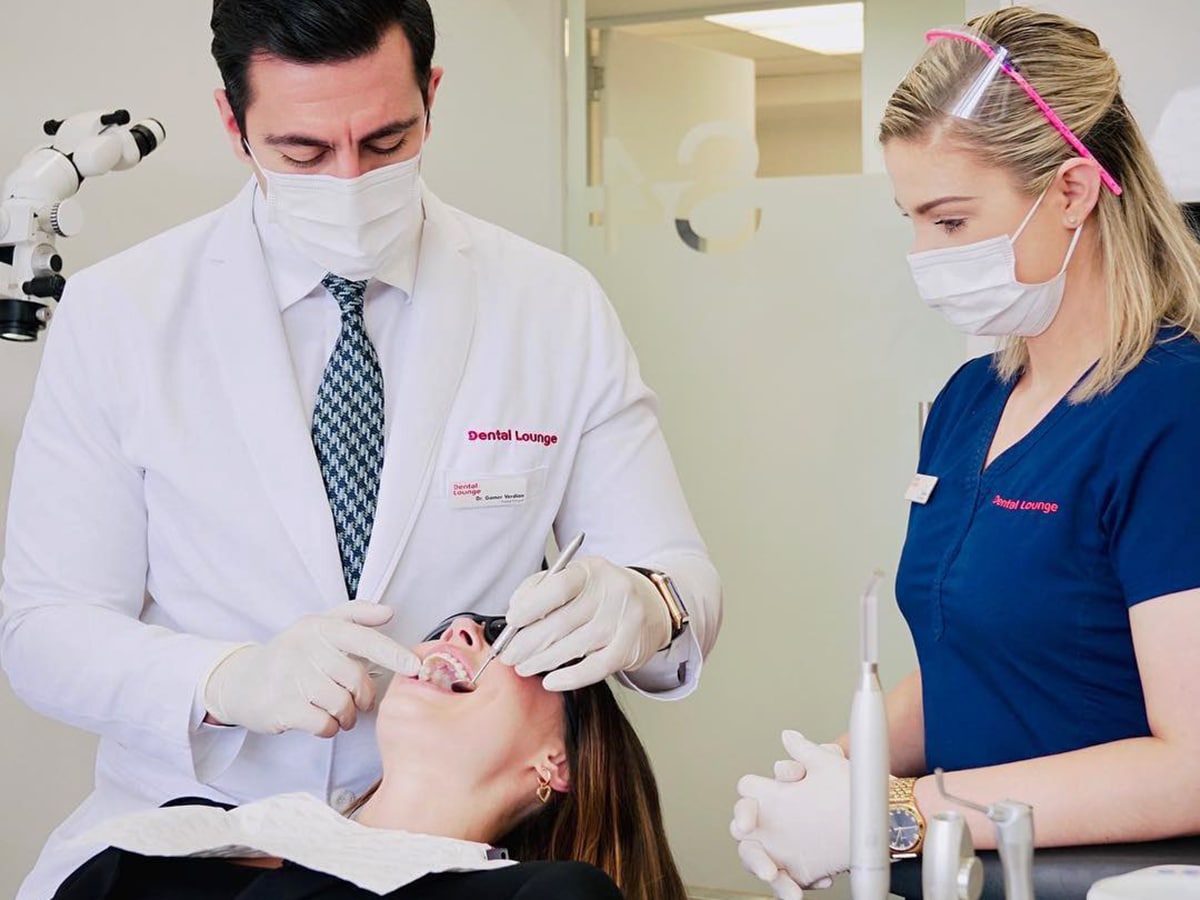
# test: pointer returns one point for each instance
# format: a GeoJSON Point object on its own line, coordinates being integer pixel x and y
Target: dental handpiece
{"type": "Point", "coordinates": [1013, 821]}
{"type": "Point", "coordinates": [509, 632]}
{"type": "Point", "coordinates": [870, 858]}
{"type": "Point", "coordinates": [1014, 841]}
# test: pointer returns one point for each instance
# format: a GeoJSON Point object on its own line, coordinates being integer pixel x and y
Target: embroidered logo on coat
{"type": "Point", "coordinates": [512, 434]}
{"type": "Point", "coordinates": [1043, 506]}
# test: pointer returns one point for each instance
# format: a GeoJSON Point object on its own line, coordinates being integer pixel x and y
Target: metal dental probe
{"type": "Point", "coordinates": [509, 632]}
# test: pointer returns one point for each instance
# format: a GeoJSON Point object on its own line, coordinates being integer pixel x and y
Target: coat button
{"type": "Point", "coordinates": [342, 800]}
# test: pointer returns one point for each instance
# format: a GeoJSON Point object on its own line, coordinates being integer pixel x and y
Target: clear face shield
{"type": "Point", "coordinates": [984, 75]}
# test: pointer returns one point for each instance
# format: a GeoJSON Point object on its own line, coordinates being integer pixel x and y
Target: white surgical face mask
{"type": "Point", "coordinates": [353, 227]}
{"type": "Point", "coordinates": [976, 288]}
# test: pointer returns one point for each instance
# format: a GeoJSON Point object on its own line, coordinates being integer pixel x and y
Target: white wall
{"type": "Point", "coordinates": [496, 152]}
{"type": "Point", "coordinates": [498, 149]}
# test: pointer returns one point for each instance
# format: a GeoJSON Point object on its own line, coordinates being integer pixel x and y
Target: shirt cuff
{"type": "Point", "coordinates": [671, 674]}
{"type": "Point", "coordinates": [214, 747]}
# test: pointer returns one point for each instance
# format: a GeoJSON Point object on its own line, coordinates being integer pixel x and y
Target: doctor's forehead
{"type": "Point", "coordinates": [377, 87]}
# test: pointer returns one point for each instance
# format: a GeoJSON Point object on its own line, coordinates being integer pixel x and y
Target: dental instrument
{"type": "Point", "coordinates": [950, 870]}
{"type": "Point", "coordinates": [38, 206]}
{"type": "Point", "coordinates": [509, 632]}
{"type": "Point", "coordinates": [1014, 841]}
{"type": "Point", "coordinates": [870, 858]}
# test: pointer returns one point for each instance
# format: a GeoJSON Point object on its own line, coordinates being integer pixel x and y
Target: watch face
{"type": "Point", "coordinates": [904, 832]}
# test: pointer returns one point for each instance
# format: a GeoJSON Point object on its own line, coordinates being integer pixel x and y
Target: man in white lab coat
{"type": "Point", "coordinates": [276, 444]}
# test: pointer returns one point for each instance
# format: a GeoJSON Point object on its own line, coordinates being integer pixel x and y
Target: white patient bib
{"type": "Point", "coordinates": [298, 828]}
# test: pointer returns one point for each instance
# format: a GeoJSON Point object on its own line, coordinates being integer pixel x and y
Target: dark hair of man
{"type": "Point", "coordinates": [312, 31]}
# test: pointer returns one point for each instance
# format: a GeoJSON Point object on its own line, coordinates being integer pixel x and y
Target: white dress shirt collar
{"type": "Point", "coordinates": [294, 276]}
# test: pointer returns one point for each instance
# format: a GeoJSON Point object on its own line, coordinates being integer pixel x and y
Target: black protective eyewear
{"type": "Point", "coordinates": [491, 625]}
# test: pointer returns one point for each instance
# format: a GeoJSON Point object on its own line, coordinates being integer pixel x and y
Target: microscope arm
{"type": "Point", "coordinates": [38, 206]}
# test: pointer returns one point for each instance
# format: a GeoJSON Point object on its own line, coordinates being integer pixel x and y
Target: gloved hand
{"type": "Point", "coordinates": [305, 678]}
{"type": "Point", "coordinates": [612, 618]}
{"type": "Point", "coordinates": [794, 830]}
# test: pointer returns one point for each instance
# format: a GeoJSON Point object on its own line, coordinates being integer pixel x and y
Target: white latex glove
{"type": "Point", "coordinates": [794, 830]}
{"type": "Point", "coordinates": [305, 678]}
{"type": "Point", "coordinates": [611, 618]}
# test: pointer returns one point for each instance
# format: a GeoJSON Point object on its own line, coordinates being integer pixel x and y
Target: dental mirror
{"type": "Point", "coordinates": [468, 687]}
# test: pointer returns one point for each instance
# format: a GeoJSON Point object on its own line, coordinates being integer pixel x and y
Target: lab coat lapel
{"type": "Point", "coordinates": [246, 330]}
{"type": "Point", "coordinates": [444, 308]}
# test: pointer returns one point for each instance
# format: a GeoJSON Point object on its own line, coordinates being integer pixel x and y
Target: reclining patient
{"type": "Point", "coordinates": [559, 781]}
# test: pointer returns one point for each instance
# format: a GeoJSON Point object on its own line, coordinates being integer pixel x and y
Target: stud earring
{"type": "Point", "coordinates": [543, 789]}
{"type": "Point", "coordinates": [1072, 221]}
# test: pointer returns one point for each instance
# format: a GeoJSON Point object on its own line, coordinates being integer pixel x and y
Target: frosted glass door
{"type": "Point", "coordinates": [777, 321]}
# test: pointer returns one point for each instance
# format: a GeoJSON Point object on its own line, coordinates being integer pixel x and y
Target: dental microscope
{"type": "Point", "coordinates": [38, 206]}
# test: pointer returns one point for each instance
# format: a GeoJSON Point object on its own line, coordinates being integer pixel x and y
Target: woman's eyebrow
{"type": "Point", "coordinates": [934, 204]}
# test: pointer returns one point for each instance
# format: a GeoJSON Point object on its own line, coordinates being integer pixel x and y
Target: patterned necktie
{"type": "Point", "coordinates": [347, 429]}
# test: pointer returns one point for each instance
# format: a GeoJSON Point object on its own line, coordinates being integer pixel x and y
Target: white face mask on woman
{"type": "Point", "coordinates": [353, 227]}
{"type": "Point", "coordinates": [976, 288]}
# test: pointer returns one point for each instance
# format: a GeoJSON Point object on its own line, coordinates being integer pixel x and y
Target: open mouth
{"type": "Point", "coordinates": [442, 669]}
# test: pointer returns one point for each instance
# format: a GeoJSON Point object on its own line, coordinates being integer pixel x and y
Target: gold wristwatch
{"type": "Point", "coordinates": [675, 608]}
{"type": "Point", "coordinates": [906, 825]}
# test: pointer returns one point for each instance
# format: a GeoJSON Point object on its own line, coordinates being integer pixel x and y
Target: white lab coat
{"type": "Point", "coordinates": [167, 501]}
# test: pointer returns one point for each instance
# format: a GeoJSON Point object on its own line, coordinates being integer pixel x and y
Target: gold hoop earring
{"type": "Point", "coordinates": [543, 789]}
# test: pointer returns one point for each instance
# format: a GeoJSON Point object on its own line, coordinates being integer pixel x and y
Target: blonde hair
{"type": "Point", "coordinates": [1151, 259]}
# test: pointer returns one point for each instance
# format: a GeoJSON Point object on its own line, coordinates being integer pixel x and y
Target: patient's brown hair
{"type": "Point", "coordinates": [610, 817]}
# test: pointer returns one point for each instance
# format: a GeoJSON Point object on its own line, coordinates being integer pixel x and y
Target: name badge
{"type": "Point", "coordinates": [485, 492]}
{"type": "Point", "coordinates": [920, 489]}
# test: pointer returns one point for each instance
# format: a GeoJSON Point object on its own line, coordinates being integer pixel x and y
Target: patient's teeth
{"type": "Point", "coordinates": [442, 670]}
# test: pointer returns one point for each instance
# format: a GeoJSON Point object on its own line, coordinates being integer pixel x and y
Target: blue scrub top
{"type": "Point", "coordinates": [1016, 580]}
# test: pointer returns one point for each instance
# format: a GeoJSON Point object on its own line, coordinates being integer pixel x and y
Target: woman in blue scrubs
{"type": "Point", "coordinates": [1051, 572]}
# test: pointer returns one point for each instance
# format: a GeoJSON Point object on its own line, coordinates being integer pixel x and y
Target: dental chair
{"type": "Point", "coordinates": [1063, 873]}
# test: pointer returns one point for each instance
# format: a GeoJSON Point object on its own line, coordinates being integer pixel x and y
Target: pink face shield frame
{"type": "Point", "coordinates": [1051, 116]}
